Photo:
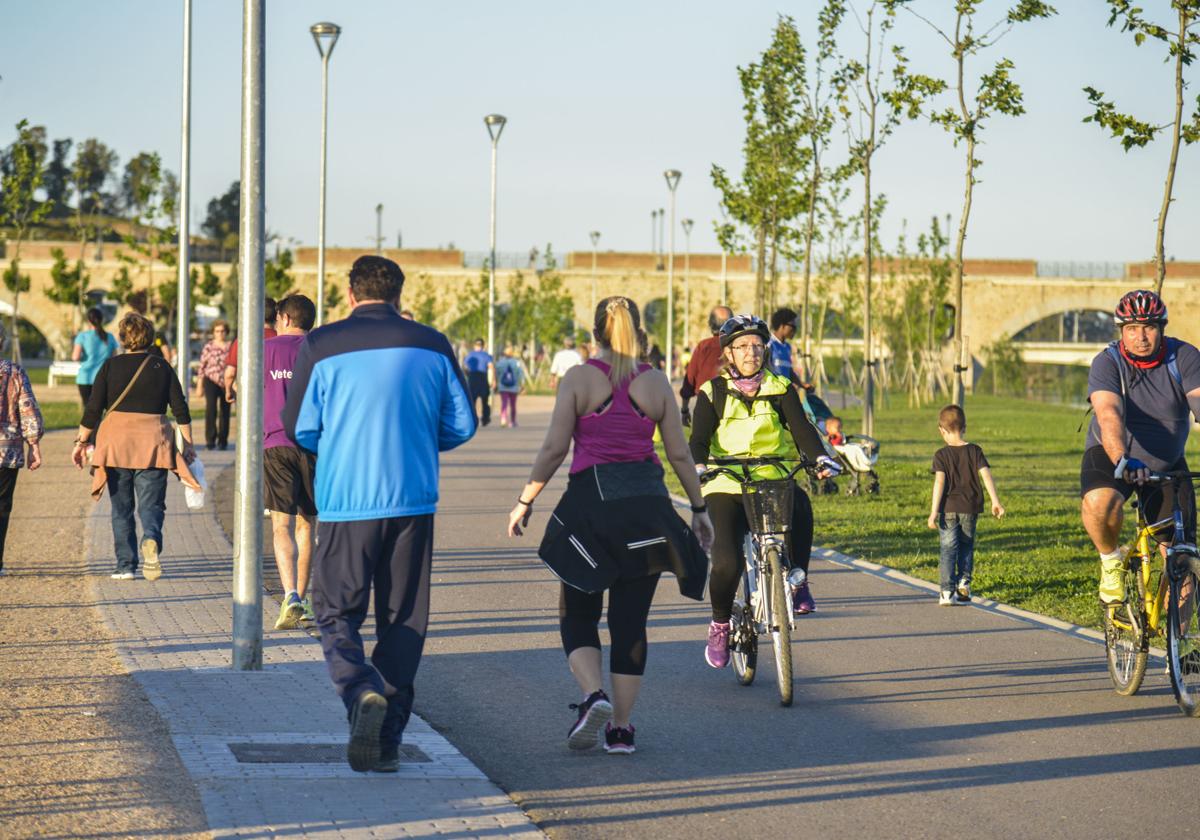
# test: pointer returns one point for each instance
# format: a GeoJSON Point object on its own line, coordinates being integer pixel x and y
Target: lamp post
{"type": "Point", "coordinates": [495, 126]}
{"type": "Point", "coordinates": [724, 261]}
{"type": "Point", "coordinates": [379, 230]}
{"type": "Point", "coordinates": [672, 176]}
{"type": "Point", "coordinates": [662, 214]}
{"type": "Point", "coordinates": [183, 315]}
{"type": "Point", "coordinates": [247, 556]}
{"type": "Point", "coordinates": [325, 36]}
{"type": "Point", "coordinates": [595, 237]}
{"type": "Point", "coordinates": [654, 232]}
{"type": "Point", "coordinates": [687, 282]}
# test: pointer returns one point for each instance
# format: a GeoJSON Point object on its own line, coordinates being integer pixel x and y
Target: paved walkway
{"type": "Point", "coordinates": [174, 637]}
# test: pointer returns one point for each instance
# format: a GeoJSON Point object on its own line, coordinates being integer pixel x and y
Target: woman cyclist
{"type": "Point", "coordinates": [748, 412]}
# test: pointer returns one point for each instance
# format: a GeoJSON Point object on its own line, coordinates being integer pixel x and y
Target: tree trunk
{"type": "Point", "coordinates": [1160, 254]}
{"type": "Point", "coordinates": [809, 235]}
{"type": "Point", "coordinates": [760, 273]}
{"type": "Point", "coordinates": [959, 341]}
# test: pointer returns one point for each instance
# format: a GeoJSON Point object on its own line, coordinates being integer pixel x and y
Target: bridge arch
{"type": "Point", "coordinates": [1086, 326]}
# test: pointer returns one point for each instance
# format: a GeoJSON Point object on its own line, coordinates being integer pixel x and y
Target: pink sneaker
{"type": "Point", "coordinates": [716, 653]}
{"type": "Point", "coordinates": [802, 600]}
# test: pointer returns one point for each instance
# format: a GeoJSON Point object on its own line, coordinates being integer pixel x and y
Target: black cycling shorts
{"type": "Point", "coordinates": [1097, 471]}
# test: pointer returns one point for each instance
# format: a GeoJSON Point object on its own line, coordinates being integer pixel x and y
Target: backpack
{"type": "Point", "coordinates": [720, 394]}
{"type": "Point", "coordinates": [509, 377]}
{"type": "Point", "coordinates": [1114, 352]}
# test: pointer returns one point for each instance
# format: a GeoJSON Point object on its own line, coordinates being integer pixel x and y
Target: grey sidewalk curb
{"type": "Point", "coordinates": [999, 608]}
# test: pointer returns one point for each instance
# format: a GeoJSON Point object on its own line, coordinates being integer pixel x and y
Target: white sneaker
{"type": "Point", "coordinates": [122, 575]}
{"type": "Point", "coordinates": [946, 598]}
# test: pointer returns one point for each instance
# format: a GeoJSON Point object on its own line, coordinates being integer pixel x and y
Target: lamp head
{"type": "Point", "coordinates": [687, 226]}
{"type": "Point", "coordinates": [672, 176]}
{"type": "Point", "coordinates": [325, 35]}
{"type": "Point", "coordinates": [495, 125]}
{"type": "Point", "coordinates": [595, 236]}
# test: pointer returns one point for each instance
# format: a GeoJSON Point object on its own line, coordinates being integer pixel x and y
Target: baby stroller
{"type": "Point", "coordinates": [858, 454]}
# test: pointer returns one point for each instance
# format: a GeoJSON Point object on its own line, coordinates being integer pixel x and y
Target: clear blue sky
{"type": "Point", "coordinates": [600, 99]}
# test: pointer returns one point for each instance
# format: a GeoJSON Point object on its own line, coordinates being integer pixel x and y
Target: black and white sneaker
{"type": "Point", "coordinates": [594, 713]}
{"type": "Point", "coordinates": [618, 740]}
{"type": "Point", "coordinates": [366, 721]}
{"type": "Point", "coordinates": [963, 592]}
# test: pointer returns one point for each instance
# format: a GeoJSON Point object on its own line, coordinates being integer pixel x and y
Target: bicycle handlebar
{"type": "Point", "coordinates": [723, 464]}
{"type": "Point", "coordinates": [1171, 475]}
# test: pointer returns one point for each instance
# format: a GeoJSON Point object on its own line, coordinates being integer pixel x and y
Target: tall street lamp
{"type": "Point", "coordinates": [662, 214]}
{"type": "Point", "coordinates": [183, 316]}
{"type": "Point", "coordinates": [654, 232]}
{"type": "Point", "coordinates": [325, 36]}
{"type": "Point", "coordinates": [672, 176]}
{"type": "Point", "coordinates": [687, 282]}
{"type": "Point", "coordinates": [495, 126]}
{"type": "Point", "coordinates": [595, 237]}
{"type": "Point", "coordinates": [247, 527]}
{"type": "Point", "coordinates": [724, 261]}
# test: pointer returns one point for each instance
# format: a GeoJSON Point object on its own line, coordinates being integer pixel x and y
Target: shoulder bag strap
{"type": "Point", "coordinates": [136, 374]}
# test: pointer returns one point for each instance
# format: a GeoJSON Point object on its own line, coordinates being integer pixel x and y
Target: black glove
{"type": "Point", "coordinates": [685, 415]}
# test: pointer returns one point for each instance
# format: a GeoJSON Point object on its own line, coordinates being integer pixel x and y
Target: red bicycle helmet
{"type": "Point", "coordinates": [1141, 307]}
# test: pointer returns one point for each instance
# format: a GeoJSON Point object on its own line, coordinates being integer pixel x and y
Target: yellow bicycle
{"type": "Point", "coordinates": [1160, 599]}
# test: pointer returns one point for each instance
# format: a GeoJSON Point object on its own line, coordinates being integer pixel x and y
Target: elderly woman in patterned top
{"type": "Point", "coordinates": [21, 427]}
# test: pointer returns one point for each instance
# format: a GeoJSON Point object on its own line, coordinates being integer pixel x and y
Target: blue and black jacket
{"type": "Point", "coordinates": [377, 397]}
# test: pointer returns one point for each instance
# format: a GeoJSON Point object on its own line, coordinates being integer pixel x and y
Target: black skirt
{"type": "Point", "coordinates": [616, 522]}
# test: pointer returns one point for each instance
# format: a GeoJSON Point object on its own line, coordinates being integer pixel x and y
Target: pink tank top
{"type": "Point", "coordinates": [618, 432]}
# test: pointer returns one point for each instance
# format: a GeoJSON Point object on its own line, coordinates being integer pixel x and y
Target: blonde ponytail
{"type": "Point", "coordinates": [618, 328]}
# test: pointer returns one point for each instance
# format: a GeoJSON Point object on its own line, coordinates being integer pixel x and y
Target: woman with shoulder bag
{"type": "Point", "coordinates": [615, 527]}
{"type": "Point", "coordinates": [135, 444]}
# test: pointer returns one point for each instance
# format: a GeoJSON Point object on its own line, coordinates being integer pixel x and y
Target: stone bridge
{"type": "Point", "coordinates": [1001, 297]}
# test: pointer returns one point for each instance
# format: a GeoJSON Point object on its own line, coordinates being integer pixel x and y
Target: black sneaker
{"type": "Point", "coordinates": [618, 740]}
{"type": "Point", "coordinates": [389, 759]}
{"type": "Point", "coordinates": [366, 721]}
{"type": "Point", "coordinates": [594, 713]}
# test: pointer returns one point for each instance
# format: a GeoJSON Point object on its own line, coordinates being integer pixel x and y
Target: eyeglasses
{"type": "Point", "coordinates": [749, 347]}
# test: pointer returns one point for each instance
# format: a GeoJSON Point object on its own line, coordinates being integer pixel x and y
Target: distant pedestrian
{"type": "Point", "coordinates": [705, 362]}
{"type": "Point", "coordinates": [231, 358]}
{"type": "Point", "coordinates": [957, 502]}
{"type": "Point", "coordinates": [21, 430]}
{"type": "Point", "coordinates": [288, 471]}
{"type": "Point", "coordinates": [564, 360]}
{"type": "Point", "coordinates": [92, 348]}
{"type": "Point", "coordinates": [615, 527]}
{"type": "Point", "coordinates": [481, 379]}
{"type": "Point", "coordinates": [135, 444]}
{"type": "Point", "coordinates": [210, 386]}
{"type": "Point", "coordinates": [376, 397]}
{"type": "Point", "coordinates": [510, 382]}
{"type": "Point", "coordinates": [779, 349]}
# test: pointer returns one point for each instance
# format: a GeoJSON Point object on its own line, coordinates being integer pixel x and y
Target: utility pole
{"type": "Point", "coordinates": [379, 230]}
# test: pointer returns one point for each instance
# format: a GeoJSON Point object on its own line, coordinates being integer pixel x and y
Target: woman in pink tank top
{"type": "Point", "coordinates": [614, 528]}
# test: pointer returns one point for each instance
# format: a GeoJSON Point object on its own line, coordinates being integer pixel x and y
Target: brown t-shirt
{"type": "Point", "coordinates": [961, 464]}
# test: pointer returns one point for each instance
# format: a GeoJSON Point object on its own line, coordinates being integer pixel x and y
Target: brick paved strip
{"type": "Point", "coordinates": [174, 636]}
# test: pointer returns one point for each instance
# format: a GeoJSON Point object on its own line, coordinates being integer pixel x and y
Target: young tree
{"type": "Point", "coordinates": [872, 110]}
{"type": "Point", "coordinates": [152, 211]}
{"type": "Point", "coordinates": [93, 167]}
{"type": "Point", "coordinates": [224, 216]}
{"type": "Point", "coordinates": [1181, 41]}
{"type": "Point", "coordinates": [24, 170]}
{"type": "Point", "coordinates": [209, 283]}
{"type": "Point", "coordinates": [996, 93]}
{"type": "Point", "coordinates": [817, 115]}
{"type": "Point", "coordinates": [57, 181]}
{"type": "Point", "coordinates": [769, 196]}
{"type": "Point", "coordinates": [68, 283]}
{"type": "Point", "coordinates": [276, 277]}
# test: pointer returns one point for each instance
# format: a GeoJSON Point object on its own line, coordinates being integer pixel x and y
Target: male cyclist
{"type": "Point", "coordinates": [747, 411]}
{"type": "Point", "coordinates": [1141, 388]}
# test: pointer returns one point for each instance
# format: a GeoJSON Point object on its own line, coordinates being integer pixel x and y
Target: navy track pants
{"type": "Point", "coordinates": [394, 556]}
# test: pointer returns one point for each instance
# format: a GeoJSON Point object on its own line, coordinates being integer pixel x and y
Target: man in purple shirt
{"type": "Point", "coordinates": [288, 471]}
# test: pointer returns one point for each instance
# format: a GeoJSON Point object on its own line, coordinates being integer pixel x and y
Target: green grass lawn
{"type": "Point", "coordinates": [1038, 557]}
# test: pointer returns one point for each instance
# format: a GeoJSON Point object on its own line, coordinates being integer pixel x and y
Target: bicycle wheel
{"type": "Point", "coordinates": [1126, 641]}
{"type": "Point", "coordinates": [780, 624]}
{"type": "Point", "coordinates": [1183, 631]}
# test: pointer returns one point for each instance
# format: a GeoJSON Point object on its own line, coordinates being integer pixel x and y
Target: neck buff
{"type": "Point", "coordinates": [748, 385]}
{"type": "Point", "coordinates": [1145, 362]}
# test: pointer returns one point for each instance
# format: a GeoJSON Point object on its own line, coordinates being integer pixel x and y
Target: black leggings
{"type": "Point", "coordinates": [216, 414]}
{"type": "Point", "coordinates": [8, 483]}
{"type": "Point", "coordinates": [730, 527]}
{"type": "Point", "coordinates": [628, 607]}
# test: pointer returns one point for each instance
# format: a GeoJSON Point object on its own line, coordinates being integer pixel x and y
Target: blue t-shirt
{"type": "Point", "coordinates": [95, 353]}
{"type": "Point", "coordinates": [781, 358]}
{"type": "Point", "coordinates": [477, 361]}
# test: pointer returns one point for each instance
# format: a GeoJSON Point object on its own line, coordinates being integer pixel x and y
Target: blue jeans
{"type": "Point", "coordinates": [956, 539]}
{"type": "Point", "coordinates": [149, 488]}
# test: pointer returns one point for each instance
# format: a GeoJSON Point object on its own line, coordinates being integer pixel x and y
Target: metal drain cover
{"type": "Point", "coordinates": [248, 753]}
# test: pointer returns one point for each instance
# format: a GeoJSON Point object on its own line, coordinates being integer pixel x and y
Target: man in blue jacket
{"type": "Point", "coordinates": [376, 397]}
